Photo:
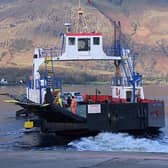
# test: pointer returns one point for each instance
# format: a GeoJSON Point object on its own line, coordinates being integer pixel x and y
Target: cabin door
{"type": "Point", "coordinates": [128, 96]}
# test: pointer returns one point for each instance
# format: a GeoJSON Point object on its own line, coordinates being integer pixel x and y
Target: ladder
{"type": "Point", "coordinates": [49, 67]}
{"type": "Point", "coordinates": [127, 66]}
{"type": "Point", "coordinates": [53, 82]}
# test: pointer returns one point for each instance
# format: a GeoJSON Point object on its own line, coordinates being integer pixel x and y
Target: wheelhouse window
{"type": "Point", "coordinates": [71, 41]}
{"type": "Point", "coordinates": [96, 40]}
{"type": "Point", "coordinates": [84, 44]}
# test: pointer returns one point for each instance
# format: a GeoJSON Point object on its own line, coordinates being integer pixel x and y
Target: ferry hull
{"type": "Point", "coordinates": [128, 117]}
{"type": "Point", "coordinates": [111, 118]}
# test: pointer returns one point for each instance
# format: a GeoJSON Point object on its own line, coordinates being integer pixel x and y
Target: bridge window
{"type": "Point", "coordinates": [71, 41]}
{"type": "Point", "coordinates": [96, 40]}
{"type": "Point", "coordinates": [84, 44]}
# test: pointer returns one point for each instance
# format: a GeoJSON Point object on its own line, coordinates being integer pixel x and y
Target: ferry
{"type": "Point", "coordinates": [124, 110]}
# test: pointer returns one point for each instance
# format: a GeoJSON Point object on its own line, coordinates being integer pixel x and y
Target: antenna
{"type": "Point", "coordinates": [81, 25]}
{"type": "Point", "coordinates": [67, 20]}
{"type": "Point", "coordinates": [79, 3]}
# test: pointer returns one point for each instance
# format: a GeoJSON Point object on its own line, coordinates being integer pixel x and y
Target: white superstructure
{"type": "Point", "coordinates": [83, 46]}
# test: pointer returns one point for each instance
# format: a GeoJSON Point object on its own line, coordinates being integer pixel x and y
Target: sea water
{"type": "Point", "coordinates": [14, 137]}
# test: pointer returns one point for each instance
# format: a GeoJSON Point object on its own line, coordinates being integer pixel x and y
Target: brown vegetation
{"type": "Point", "coordinates": [25, 24]}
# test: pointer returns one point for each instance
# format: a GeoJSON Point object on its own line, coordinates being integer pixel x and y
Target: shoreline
{"type": "Point", "coordinates": [40, 159]}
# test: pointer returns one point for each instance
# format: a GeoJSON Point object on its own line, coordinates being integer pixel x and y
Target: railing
{"type": "Point", "coordinates": [49, 52]}
{"type": "Point", "coordinates": [42, 83]}
{"type": "Point", "coordinates": [120, 81]}
{"type": "Point", "coordinates": [36, 89]}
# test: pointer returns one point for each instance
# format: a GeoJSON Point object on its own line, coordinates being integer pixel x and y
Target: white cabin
{"type": "Point", "coordinates": [84, 46]}
{"type": "Point", "coordinates": [88, 45]}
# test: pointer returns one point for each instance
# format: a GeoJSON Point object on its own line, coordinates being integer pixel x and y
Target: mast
{"type": "Point", "coordinates": [81, 25]}
{"type": "Point", "coordinates": [117, 47]}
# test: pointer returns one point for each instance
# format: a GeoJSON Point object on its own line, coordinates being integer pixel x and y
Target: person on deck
{"type": "Point", "coordinates": [69, 100]}
{"type": "Point", "coordinates": [58, 99]}
{"type": "Point", "coordinates": [73, 105]}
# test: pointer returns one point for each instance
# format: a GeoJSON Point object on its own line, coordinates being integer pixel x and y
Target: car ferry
{"type": "Point", "coordinates": [124, 109]}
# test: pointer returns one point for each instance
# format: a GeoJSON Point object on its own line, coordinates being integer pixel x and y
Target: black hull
{"type": "Point", "coordinates": [124, 117]}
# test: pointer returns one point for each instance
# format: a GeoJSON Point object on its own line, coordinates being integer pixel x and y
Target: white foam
{"type": "Point", "coordinates": [119, 142]}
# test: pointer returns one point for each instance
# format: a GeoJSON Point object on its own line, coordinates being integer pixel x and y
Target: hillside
{"type": "Point", "coordinates": [26, 24]}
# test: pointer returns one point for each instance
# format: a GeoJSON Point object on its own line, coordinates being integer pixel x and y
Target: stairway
{"type": "Point", "coordinates": [127, 66]}
{"type": "Point", "coordinates": [49, 71]}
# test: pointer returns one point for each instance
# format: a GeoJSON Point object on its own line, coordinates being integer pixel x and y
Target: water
{"type": "Point", "coordinates": [14, 137]}
{"type": "Point", "coordinates": [121, 142]}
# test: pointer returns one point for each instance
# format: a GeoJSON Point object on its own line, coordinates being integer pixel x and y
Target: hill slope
{"type": "Point", "coordinates": [26, 24]}
{"type": "Point", "coordinates": [144, 24]}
